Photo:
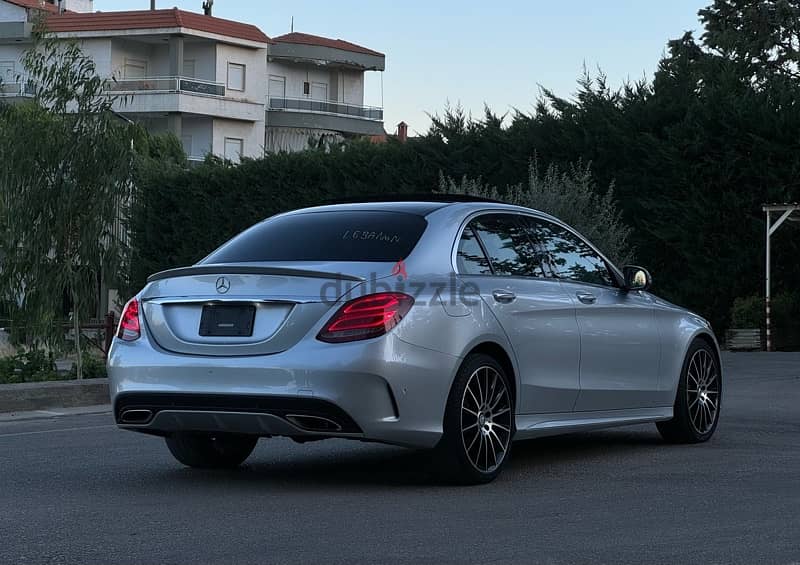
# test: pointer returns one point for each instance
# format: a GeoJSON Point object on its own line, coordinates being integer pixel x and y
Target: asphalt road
{"type": "Point", "coordinates": [77, 490]}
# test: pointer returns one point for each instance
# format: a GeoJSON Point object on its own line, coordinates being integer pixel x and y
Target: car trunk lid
{"type": "Point", "coordinates": [244, 309]}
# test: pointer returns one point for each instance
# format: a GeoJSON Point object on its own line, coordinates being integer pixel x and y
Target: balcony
{"type": "Point", "coordinates": [324, 114]}
{"type": "Point", "coordinates": [160, 95]}
{"type": "Point", "coordinates": [165, 84]}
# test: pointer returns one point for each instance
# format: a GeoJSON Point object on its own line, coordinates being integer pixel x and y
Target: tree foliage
{"type": "Point", "coordinates": [65, 181]}
{"type": "Point", "coordinates": [691, 154]}
{"type": "Point", "coordinates": [568, 195]}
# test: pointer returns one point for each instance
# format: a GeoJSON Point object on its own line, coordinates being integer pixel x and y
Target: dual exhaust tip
{"type": "Point", "coordinates": [137, 416]}
{"type": "Point", "coordinates": [303, 421]}
{"type": "Point", "coordinates": [313, 423]}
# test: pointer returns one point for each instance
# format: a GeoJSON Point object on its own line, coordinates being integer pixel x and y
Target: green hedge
{"type": "Point", "coordinates": [181, 215]}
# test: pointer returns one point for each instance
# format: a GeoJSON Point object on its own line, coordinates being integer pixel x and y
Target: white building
{"type": "Point", "coordinates": [222, 87]}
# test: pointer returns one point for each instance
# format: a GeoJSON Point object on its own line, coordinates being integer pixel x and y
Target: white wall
{"type": "Point", "coordinates": [12, 53]}
{"type": "Point", "coordinates": [79, 5]}
{"type": "Point", "coordinates": [157, 57]}
{"type": "Point", "coordinates": [205, 59]}
{"type": "Point", "coordinates": [255, 61]}
{"type": "Point", "coordinates": [352, 87]}
{"type": "Point", "coordinates": [343, 85]}
{"type": "Point", "coordinates": [12, 13]}
{"type": "Point", "coordinates": [251, 133]}
{"type": "Point", "coordinates": [100, 52]}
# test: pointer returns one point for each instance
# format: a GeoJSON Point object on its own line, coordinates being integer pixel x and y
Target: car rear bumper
{"type": "Point", "coordinates": [378, 390]}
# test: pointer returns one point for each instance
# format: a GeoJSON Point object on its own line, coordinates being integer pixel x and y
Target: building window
{"type": "Point", "coordinates": [135, 68]}
{"type": "Point", "coordinates": [234, 148]}
{"type": "Point", "coordinates": [236, 76]}
{"type": "Point", "coordinates": [277, 86]}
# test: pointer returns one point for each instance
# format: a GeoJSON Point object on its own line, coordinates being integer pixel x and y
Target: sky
{"type": "Point", "coordinates": [497, 53]}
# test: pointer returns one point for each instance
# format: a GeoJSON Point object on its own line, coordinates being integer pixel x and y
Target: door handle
{"type": "Point", "coordinates": [586, 297]}
{"type": "Point", "coordinates": [504, 296]}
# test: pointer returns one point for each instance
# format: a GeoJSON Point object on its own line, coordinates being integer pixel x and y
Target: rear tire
{"type": "Point", "coordinates": [478, 423]}
{"type": "Point", "coordinates": [698, 400]}
{"type": "Point", "coordinates": [211, 451]}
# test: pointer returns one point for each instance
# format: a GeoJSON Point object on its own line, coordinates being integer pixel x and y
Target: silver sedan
{"type": "Point", "coordinates": [454, 326]}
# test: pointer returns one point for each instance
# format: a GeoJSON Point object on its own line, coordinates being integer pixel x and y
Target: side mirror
{"type": "Point", "coordinates": [636, 278]}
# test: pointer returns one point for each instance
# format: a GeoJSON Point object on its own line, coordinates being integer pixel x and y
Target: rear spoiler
{"type": "Point", "coordinates": [248, 270]}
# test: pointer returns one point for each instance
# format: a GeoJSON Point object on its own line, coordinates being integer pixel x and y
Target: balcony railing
{"type": "Point", "coordinates": [325, 107]}
{"type": "Point", "coordinates": [153, 85]}
{"type": "Point", "coordinates": [25, 88]}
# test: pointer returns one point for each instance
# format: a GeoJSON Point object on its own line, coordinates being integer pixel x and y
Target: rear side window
{"type": "Point", "coordinates": [470, 258]}
{"type": "Point", "coordinates": [510, 250]}
{"type": "Point", "coordinates": [326, 236]}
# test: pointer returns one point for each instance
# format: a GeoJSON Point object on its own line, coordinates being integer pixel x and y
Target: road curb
{"type": "Point", "coordinates": [25, 397]}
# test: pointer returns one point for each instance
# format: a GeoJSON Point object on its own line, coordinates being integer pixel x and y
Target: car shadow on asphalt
{"type": "Point", "coordinates": [299, 468]}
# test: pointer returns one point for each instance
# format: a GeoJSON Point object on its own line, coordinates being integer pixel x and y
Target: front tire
{"type": "Point", "coordinates": [211, 451]}
{"type": "Point", "coordinates": [478, 423]}
{"type": "Point", "coordinates": [698, 401]}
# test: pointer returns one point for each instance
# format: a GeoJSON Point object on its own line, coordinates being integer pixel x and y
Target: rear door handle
{"type": "Point", "coordinates": [586, 297]}
{"type": "Point", "coordinates": [504, 296]}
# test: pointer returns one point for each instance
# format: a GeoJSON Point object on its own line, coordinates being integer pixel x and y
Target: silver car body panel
{"type": "Point", "coordinates": [574, 366]}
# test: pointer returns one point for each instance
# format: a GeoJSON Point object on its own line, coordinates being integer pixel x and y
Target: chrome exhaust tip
{"type": "Point", "coordinates": [138, 416]}
{"type": "Point", "coordinates": [313, 423]}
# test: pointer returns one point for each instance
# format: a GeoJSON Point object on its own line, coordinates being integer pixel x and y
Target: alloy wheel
{"type": "Point", "coordinates": [702, 391]}
{"type": "Point", "coordinates": [486, 419]}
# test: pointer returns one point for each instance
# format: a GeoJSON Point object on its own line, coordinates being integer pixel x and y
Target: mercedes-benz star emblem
{"type": "Point", "coordinates": [223, 285]}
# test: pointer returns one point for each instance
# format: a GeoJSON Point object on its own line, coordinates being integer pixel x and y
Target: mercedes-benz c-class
{"type": "Point", "coordinates": [452, 326]}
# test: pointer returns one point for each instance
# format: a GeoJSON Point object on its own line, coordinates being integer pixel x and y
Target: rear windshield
{"type": "Point", "coordinates": [326, 236]}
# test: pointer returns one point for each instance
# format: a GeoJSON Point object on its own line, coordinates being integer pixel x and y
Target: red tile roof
{"type": "Point", "coordinates": [153, 19]}
{"type": "Point", "coordinates": [33, 4]}
{"type": "Point", "coordinates": [308, 39]}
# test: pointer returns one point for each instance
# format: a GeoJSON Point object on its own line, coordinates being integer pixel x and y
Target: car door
{"type": "Point", "coordinates": [536, 314]}
{"type": "Point", "coordinates": [620, 342]}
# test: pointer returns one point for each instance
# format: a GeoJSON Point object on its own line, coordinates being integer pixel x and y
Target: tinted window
{"type": "Point", "coordinates": [508, 245]}
{"type": "Point", "coordinates": [470, 258]}
{"type": "Point", "coordinates": [570, 257]}
{"type": "Point", "coordinates": [326, 236]}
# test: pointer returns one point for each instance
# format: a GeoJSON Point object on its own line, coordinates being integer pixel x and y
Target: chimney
{"type": "Point", "coordinates": [61, 6]}
{"type": "Point", "coordinates": [402, 132]}
{"type": "Point", "coordinates": [152, 4]}
{"type": "Point", "coordinates": [208, 5]}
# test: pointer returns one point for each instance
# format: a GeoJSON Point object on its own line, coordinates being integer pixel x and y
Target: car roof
{"type": "Point", "coordinates": [421, 206]}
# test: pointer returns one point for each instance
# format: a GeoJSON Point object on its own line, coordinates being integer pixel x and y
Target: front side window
{"type": "Point", "coordinates": [569, 256]}
{"type": "Point", "coordinates": [510, 250]}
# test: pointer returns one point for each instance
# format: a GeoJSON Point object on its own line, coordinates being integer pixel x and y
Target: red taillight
{"type": "Point", "coordinates": [129, 329]}
{"type": "Point", "coordinates": [366, 317]}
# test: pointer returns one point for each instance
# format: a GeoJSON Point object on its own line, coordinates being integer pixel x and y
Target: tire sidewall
{"type": "Point", "coordinates": [681, 401]}
{"type": "Point", "coordinates": [452, 445]}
